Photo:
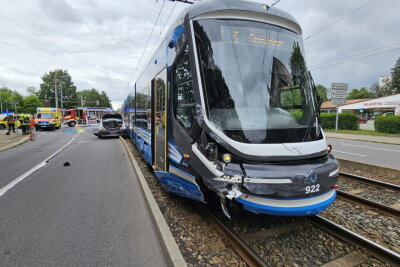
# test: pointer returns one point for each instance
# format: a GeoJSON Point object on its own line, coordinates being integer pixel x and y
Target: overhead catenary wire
{"type": "Point", "coordinates": [276, 2]}
{"type": "Point", "coordinates": [337, 20]}
{"type": "Point", "coordinates": [355, 59]}
{"type": "Point", "coordinates": [353, 55]}
{"type": "Point", "coordinates": [162, 30]}
{"type": "Point", "coordinates": [147, 43]}
{"type": "Point", "coordinates": [39, 55]}
{"type": "Point", "coordinates": [50, 42]}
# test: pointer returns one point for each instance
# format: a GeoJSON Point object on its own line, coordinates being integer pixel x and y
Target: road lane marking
{"type": "Point", "coordinates": [348, 153]}
{"type": "Point", "coordinates": [398, 151]}
{"type": "Point", "coordinates": [7, 187]}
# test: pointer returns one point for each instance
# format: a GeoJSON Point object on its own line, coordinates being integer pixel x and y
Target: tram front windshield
{"type": "Point", "coordinates": [255, 81]}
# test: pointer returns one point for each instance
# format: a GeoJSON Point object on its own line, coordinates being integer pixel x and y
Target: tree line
{"type": "Point", "coordinates": [67, 95]}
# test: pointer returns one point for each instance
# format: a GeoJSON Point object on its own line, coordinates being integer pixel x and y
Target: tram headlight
{"type": "Point", "coordinates": [226, 157]}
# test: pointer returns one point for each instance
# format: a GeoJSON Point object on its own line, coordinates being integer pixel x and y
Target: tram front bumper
{"type": "Point", "coordinates": [287, 207]}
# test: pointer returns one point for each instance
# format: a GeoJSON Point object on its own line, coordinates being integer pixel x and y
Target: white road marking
{"type": "Point", "coordinates": [32, 170]}
{"type": "Point", "coordinates": [348, 153]}
{"type": "Point", "coordinates": [85, 141]}
{"type": "Point", "coordinates": [398, 151]}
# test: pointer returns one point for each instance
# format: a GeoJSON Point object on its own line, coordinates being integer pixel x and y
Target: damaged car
{"type": "Point", "coordinates": [111, 125]}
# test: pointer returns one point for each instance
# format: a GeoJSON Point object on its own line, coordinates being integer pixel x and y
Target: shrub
{"type": "Point", "coordinates": [388, 124]}
{"type": "Point", "coordinates": [347, 121]}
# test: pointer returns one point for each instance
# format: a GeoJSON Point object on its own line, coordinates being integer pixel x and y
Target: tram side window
{"type": "Point", "coordinates": [184, 104]}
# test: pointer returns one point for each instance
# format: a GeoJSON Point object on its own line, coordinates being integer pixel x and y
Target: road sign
{"type": "Point", "coordinates": [337, 101]}
{"type": "Point", "coordinates": [340, 94]}
{"type": "Point", "coordinates": [361, 110]}
{"type": "Point", "coordinates": [339, 86]}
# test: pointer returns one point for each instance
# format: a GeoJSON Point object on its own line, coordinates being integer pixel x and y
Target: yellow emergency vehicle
{"type": "Point", "coordinates": [48, 118]}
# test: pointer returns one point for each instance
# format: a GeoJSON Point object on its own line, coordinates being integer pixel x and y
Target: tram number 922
{"type": "Point", "coordinates": [312, 189]}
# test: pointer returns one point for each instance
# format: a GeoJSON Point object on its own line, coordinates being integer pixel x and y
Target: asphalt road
{"type": "Point", "coordinates": [90, 213]}
{"type": "Point", "coordinates": [367, 152]}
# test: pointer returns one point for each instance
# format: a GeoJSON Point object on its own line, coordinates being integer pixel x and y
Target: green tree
{"type": "Point", "coordinates": [31, 90]}
{"type": "Point", "coordinates": [13, 98]}
{"type": "Point", "coordinates": [361, 93]}
{"type": "Point", "coordinates": [395, 82]}
{"type": "Point", "coordinates": [322, 91]}
{"type": "Point", "coordinates": [65, 86]}
{"type": "Point", "coordinates": [30, 103]}
{"type": "Point", "coordinates": [92, 95]}
{"type": "Point", "coordinates": [104, 100]}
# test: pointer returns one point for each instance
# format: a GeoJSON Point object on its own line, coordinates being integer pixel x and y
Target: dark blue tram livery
{"type": "Point", "coordinates": [227, 106]}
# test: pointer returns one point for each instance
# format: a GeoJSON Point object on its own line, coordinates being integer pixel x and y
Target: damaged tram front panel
{"type": "Point", "coordinates": [227, 105]}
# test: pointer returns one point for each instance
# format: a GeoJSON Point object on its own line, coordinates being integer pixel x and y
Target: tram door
{"type": "Point", "coordinates": [159, 119]}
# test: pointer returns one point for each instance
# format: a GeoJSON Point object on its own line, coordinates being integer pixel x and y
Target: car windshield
{"type": "Point", "coordinates": [44, 116]}
{"type": "Point", "coordinates": [255, 81]}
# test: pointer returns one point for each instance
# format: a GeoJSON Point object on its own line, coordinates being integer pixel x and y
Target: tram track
{"type": "Point", "coordinates": [369, 192]}
{"type": "Point", "coordinates": [370, 181]}
{"type": "Point", "coordinates": [242, 243]}
{"type": "Point", "coordinates": [372, 204]}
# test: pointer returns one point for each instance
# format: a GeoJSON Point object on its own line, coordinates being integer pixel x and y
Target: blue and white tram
{"type": "Point", "coordinates": [226, 105]}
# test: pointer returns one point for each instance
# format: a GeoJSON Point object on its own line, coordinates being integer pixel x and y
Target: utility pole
{"type": "Point", "coordinates": [81, 101]}
{"type": "Point", "coordinates": [1, 101]}
{"type": "Point", "coordinates": [61, 91]}
{"type": "Point", "coordinates": [55, 90]}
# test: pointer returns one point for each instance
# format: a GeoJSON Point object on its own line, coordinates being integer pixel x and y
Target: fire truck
{"type": "Point", "coordinates": [84, 115]}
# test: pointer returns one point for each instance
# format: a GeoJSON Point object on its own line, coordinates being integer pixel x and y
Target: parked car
{"type": "Point", "coordinates": [111, 125]}
{"type": "Point", "coordinates": [362, 120]}
{"type": "Point", "coordinates": [3, 121]}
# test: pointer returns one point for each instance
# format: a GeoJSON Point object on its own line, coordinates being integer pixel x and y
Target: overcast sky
{"type": "Point", "coordinates": [100, 42]}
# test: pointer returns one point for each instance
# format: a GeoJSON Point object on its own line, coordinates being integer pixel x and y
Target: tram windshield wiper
{"type": "Point", "coordinates": [315, 112]}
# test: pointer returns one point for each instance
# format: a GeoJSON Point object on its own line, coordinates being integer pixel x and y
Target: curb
{"type": "Point", "coordinates": [373, 169]}
{"type": "Point", "coordinates": [364, 140]}
{"type": "Point", "coordinates": [168, 245]}
{"type": "Point", "coordinates": [8, 146]}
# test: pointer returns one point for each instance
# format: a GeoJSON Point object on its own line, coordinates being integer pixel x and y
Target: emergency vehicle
{"type": "Point", "coordinates": [84, 115]}
{"type": "Point", "coordinates": [48, 118]}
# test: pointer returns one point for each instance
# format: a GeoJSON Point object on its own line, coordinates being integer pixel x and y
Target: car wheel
{"type": "Point", "coordinates": [71, 124]}
{"type": "Point", "coordinates": [2, 126]}
{"type": "Point", "coordinates": [37, 129]}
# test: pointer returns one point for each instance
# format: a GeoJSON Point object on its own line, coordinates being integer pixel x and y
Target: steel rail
{"type": "Point", "coordinates": [245, 252]}
{"type": "Point", "coordinates": [370, 203]}
{"type": "Point", "coordinates": [380, 252]}
{"type": "Point", "coordinates": [370, 181]}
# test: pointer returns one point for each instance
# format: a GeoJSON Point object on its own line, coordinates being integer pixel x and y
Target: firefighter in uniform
{"type": "Point", "coordinates": [11, 124]}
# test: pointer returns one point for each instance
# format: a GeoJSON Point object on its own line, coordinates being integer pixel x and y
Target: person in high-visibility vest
{"type": "Point", "coordinates": [11, 124]}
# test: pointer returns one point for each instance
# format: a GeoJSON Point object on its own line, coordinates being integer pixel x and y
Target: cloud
{"type": "Point", "coordinates": [60, 10]}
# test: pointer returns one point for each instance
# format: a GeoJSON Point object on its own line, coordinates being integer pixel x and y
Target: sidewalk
{"type": "Point", "coordinates": [364, 137]}
{"type": "Point", "coordinates": [9, 141]}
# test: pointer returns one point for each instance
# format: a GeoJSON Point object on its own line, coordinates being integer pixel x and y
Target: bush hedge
{"type": "Point", "coordinates": [388, 124]}
{"type": "Point", "coordinates": [347, 121]}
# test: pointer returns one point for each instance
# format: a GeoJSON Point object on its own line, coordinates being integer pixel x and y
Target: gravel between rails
{"type": "Point", "coordinates": [368, 222]}
{"type": "Point", "coordinates": [307, 246]}
{"type": "Point", "coordinates": [199, 243]}
{"type": "Point", "coordinates": [372, 176]}
{"type": "Point", "coordinates": [371, 192]}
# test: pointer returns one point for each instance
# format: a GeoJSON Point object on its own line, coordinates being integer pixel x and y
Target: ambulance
{"type": "Point", "coordinates": [48, 118]}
